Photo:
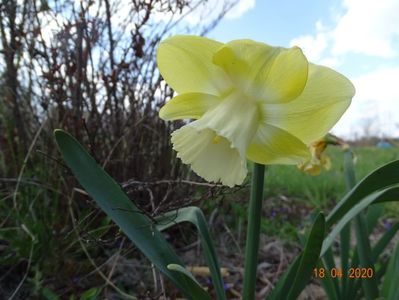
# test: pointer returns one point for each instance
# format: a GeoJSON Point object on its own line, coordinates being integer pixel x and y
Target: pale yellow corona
{"type": "Point", "coordinates": [248, 100]}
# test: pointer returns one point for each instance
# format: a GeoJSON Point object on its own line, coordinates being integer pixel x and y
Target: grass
{"type": "Point", "coordinates": [325, 189]}
{"type": "Point", "coordinates": [41, 243]}
{"type": "Point", "coordinates": [293, 196]}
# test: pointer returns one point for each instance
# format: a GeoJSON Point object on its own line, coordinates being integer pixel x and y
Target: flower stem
{"type": "Point", "coordinates": [253, 232]}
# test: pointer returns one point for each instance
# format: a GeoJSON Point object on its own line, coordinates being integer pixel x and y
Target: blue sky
{"type": "Point", "coordinates": [359, 38]}
{"type": "Point", "coordinates": [275, 22]}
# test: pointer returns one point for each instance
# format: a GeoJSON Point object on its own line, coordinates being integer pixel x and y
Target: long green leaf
{"type": "Point", "coordinates": [388, 194]}
{"type": "Point", "coordinates": [285, 280]}
{"type": "Point", "coordinates": [190, 281]}
{"type": "Point", "coordinates": [300, 271]}
{"type": "Point", "coordinates": [329, 262]}
{"type": "Point", "coordinates": [115, 203]}
{"type": "Point", "coordinates": [390, 290]}
{"type": "Point", "coordinates": [370, 286]}
{"type": "Point", "coordinates": [309, 258]}
{"type": "Point", "coordinates": [344, 253]}
{"type": "Point", "coordinates": [374, 212]}
{"type": "Point", "coordinates": [195, 216]}
{"type": "Point", "coordinates": [381, 178]}
{"type": "Point", "coordinates": [328, 284]}
{"type": "Point", "coordinates": [384, 241]}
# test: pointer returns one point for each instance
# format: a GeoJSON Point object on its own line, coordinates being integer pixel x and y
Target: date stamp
{"type": "Point", "coordinates": [353, 273]}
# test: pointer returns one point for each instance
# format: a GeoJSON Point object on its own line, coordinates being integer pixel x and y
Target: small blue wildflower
{"type": "Point", "coordinates": [387, 224]}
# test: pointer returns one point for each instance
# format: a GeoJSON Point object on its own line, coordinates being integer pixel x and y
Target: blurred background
{"type": "Point", "coordinates": [89, 68]}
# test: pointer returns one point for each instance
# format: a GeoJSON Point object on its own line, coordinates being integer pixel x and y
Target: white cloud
{"type": "Point", "coordinates": [331, 61]}
{"type": "Point", "coordinates": [364, 27]}
{"type": "Point", "coordinates": [240, 8]}
{"type": "Point", "coordinates": [312, 46]}
{"type": "Point", "coordinates": [316, 48]}
{"type": "Point", "coordinates": [367, 27]}
{"type": "Point", "coordinates": [371, 29]}
{"type": "Point", "coordinates": [374, 107]}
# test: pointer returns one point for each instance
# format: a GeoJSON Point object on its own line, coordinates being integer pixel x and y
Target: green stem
{"type": "Point", "coordinates": [253, 231]}
{"type": "Point", "coordinates": [370, 286]}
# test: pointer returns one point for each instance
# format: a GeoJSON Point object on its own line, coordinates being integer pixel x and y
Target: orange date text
{"type": "Point", "coordinates": [353, 273]}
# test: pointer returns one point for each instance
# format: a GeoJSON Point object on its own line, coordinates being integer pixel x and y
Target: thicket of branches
{"type": "Point", "coordinates": [89, 68]}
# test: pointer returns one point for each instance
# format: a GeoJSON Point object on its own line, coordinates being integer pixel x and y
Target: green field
{"type": "Point", "coordinates": [324, 189]}
{"type": "Point", "coordinates": [293, 197]}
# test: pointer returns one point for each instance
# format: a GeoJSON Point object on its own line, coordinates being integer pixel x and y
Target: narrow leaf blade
{"type": "Point", "coordinates": [381, 178]}
{"type": "Point", "coordinates": [309, 258]}
{"type": "Point", "coordinates": [390, 289]}
{"type": "Point", "coordinates": [195, 216]}
{"type": "Point", "coordinates": [388, 194]}
{"type": "Point", "coordinates": [196, 289]}
{"type": "Point", "coordinates": [296, 277]}
{"type": "Point", "coordinates": [115, 203]}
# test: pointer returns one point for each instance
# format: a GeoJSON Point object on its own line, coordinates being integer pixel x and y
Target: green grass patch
{"type": "Point", "coordinates": [323, 190]}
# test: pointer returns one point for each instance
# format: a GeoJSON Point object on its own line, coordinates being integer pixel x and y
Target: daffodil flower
{"type": "Point", "coordinates": [318, 159]}
{"type": "Point", "coordinates": [248, 100]}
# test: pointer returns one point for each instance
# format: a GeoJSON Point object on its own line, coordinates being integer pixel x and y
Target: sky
{"type": "Point", "coordinates": [358, 38]}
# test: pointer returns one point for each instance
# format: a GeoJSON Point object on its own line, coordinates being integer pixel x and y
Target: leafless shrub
{"type": "Point", "coordinates": [89, 67]}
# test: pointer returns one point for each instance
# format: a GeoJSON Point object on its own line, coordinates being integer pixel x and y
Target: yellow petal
{"type": "Point", "coordinates": [315, 165]}
{"type": "Point", "coordinates": [236, 118]}
{"type": "Point", "coordinates": [275, 146]}
{"type": "Point", "coordinates": [188, 106]}
{"type": "Point", "coordinates": [287, 77]}
{"type": "Point", "coordinates": [271, 74]}
{"type": "Point", "coordinates": [319, 158]}
{"type": "Point", "coordinates": [312, 114]}
{"type": "Point", "coordinates": [326, 161]}
{"type": "Point", "coordinates": [216, 144]}
{"type": "Point", "coordinates": [311, 169]}
{"type": "Point", "coordinates": [213, 161]}
{"type": "Point", "coordinates": [185, 62]}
